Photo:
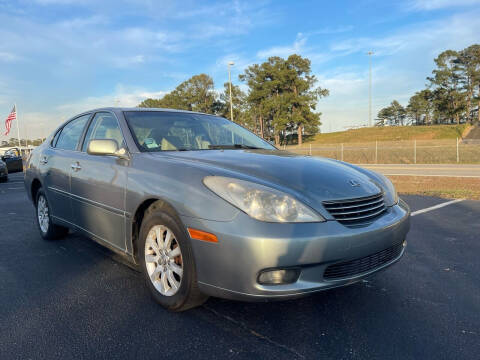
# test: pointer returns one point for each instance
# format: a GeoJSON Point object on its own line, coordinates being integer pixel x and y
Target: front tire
{"type": "Point", "coordinates": [167, 261]}
{"type": "Point", "coordinates": [48, 230]}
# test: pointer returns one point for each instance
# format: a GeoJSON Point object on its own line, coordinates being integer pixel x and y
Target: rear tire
{"type": "Point", "coordinates": [169, 272]}
{"type": "Point", "coordinates": [48, 230]}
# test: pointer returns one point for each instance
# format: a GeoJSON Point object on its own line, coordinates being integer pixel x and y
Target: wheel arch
{"type": "Point", "coordinates": [34, 187]}
{"type": "Point", "coordinates": [139, 215]}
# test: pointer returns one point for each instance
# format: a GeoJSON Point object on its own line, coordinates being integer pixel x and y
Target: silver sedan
{"type": "Point", "coordinates": [204, 207]}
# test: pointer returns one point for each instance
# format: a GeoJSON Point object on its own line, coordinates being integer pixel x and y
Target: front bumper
{"type": "Point", "coordinates": [245, 247]}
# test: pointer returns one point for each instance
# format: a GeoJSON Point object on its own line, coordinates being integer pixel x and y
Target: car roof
{"type": "Point", "coordinates": [143, 109]}
{"type": "Point", "coordinates": [121, 109]}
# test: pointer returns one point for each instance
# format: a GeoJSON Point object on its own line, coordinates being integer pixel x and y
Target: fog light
{"type": "Point", "coordinates": [278, 277]}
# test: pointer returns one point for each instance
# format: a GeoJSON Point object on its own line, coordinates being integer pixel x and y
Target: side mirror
{"type": "Point", "coordinates": [106, 147]}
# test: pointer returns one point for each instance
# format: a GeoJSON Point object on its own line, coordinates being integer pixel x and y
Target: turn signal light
{"type": "Point", "coordinates": [202, 235]}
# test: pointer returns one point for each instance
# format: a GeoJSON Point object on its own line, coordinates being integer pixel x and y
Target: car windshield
{"type": "Point", "coordinates": [177, 131]}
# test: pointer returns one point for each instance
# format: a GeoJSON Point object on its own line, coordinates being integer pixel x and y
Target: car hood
{"type": "Point", "coordinates": [314, 179]}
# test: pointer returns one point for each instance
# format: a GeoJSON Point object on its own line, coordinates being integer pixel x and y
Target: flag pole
{"type": "Point", "coordinates": [18, 129]}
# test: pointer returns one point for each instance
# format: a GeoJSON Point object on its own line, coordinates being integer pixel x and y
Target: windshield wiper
{"type": "Point", "coordinates": [232, 146]}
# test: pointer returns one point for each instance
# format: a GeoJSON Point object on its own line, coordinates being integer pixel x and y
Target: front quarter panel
{"type": "Point", "coordinates": [176, 182]}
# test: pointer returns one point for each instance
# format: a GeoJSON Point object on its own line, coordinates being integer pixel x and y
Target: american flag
{"type": "Point", "coordinates": [10, 118]}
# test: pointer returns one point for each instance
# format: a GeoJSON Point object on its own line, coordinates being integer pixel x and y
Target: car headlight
{"type": "Point", "coordinates": [391, 196]}
{"type": "Point", "coordinates": [261, 202]}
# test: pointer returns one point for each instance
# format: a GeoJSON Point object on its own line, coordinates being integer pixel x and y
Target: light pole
{"type": "Point", "coordinates": [231, 63]}
{"type": "Point", "coordinates": [370, 53]}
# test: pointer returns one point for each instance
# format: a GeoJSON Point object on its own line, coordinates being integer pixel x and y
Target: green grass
{"type": "Point", "coordinates": [389, 133]}
{"type": "Point", "coordinates": [447, 187]}
{"type": "Point", "coordinates": [395, 152]}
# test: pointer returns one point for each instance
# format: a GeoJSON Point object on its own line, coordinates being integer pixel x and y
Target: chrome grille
{"type": "Point", "coordinates": [356, 212]}
{"type": "Point", "coordinates": [362, 265]}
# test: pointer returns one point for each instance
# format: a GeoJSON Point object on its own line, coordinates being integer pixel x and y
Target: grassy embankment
{"type": "Point", "coordinates": [390, 133]}
{"type": "Point", "coordinates": [394, 145]}
{"type": "Point", "coordinates": [446, 187]}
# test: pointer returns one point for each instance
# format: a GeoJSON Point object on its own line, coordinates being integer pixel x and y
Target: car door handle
{"type": "Point", "coordinates": [76, 166]}
{"type": "Point", "coordinates": [44, 160]}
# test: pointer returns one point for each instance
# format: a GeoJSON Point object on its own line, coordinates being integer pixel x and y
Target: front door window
{"type": "Point", "coordinates": [104, 126]}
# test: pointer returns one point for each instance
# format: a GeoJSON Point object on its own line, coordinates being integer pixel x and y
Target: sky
{"type": "Point", "coordinates": [62, 57]}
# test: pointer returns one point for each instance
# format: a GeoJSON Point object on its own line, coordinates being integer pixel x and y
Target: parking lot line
{"type": "Point", "coordinates": [418, 212]}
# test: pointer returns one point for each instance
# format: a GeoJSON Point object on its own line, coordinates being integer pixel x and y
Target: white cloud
{"type": "Point", "coordinates": [153, 39]}
{"type": "Point", "coordinates": [122, 97]}
{"type": "Point", "coordinates": [241, 62]}
{"type": "Point", "coordinates": [453, 32]}
{"type": "Point", "coordinates": [8, 57]}
{"type": "Point", "coordinates": [73, 40]}
{"type": "Point", "coordinates": [60, 2]}
{"type": "Point", "coordinates": [401, 63]}
{"type": "Point", "coordinates": [298, 46]}
{"type": "Point", "coordinates": [343, 83]}
{"type": "Point", "coordinates": [128, 61]}
{"type": "Point", "coordinates": [385, 46]}
{"type": "Point", "coordinates": [331, 30]}
{"type": "Point", "coordinates": [212, 10]}
{"type": "Point", "coordinates": [82, 22]}
{"type": "Point", "coordinates": [36, 124]}
{"type": "Point", "coordinates": [439, 4]}
{"type": "Point", "coordinates": [41, 123]}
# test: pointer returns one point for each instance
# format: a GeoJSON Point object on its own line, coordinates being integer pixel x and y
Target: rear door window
{"type": "Point", "coordinates": [71, 133]}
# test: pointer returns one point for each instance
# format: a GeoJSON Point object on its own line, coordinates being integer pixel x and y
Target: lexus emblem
{"type": "Point", "coordinates": [354, 183]}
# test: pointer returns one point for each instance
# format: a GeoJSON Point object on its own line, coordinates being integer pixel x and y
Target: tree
{"type": "Point", "coordinates": [452, 92]}
{"type": "Point", "coordinates": [194, 94]}
{"type": "Point", "coordinates": [305, 95]}
{"type": "Point", "coordinates": [256, 77]}
{"type": "Point", "coordinates": [385, 116]}
{"type": "Point", "coordinates": [283, 97]}
{"type": "Point", "coordinates": [392, 115]}
{"type": "Point", "coordinates": [420, 107]}
{"type": "Point", "coordinates": [239, 103]}
{"type": "Point", "coordinates": [447, 80]}
{"type": "Point", "coordinates": [469, 64]}
{"type": "Point", "coordinates": [151, 103]}
{"type": "Point", "coordinates": [198, 93]}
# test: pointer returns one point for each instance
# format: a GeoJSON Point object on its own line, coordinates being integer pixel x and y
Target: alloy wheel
{"type": "Point", "coordinates": [163, 260]}
{"type": "Point", "coordinates": [42, 213]}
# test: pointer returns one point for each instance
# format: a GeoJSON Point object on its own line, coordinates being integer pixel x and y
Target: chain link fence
{"type": "Point", "coordinates": [397, 152]}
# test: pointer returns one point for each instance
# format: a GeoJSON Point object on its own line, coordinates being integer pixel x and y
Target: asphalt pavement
{"type": "Point", "coordinates": [450, 170]}
{"type": "Point", "coordinates": [70, 299]}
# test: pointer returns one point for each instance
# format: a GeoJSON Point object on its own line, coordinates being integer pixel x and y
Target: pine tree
{"type": "Point", "coordinates": [446, 80]}
{"type": "Point", "coordinates": [283, 96]}
{"type": "Point", "coordinates": [194, 94]}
